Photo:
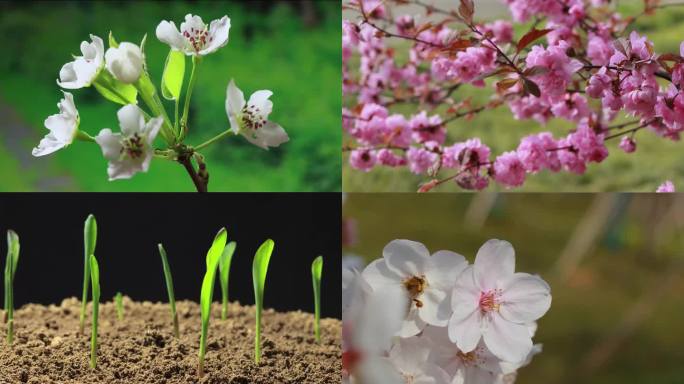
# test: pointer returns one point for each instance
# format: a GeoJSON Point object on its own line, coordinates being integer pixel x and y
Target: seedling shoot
{"type": "Point", "coordinates": [118, 302]}
{"type": "Point", "coordinates": [10, 270]}
{"type": "Point", "coordinates": [206, 297]}
{"type": "Point", "coordinates": [89, 240]}
{"type": "Point", "coordinates": [259, 268]}
{"type": "Point", "coordinates": [95, 279]}
{"type": "Point", "coordinates": [316, 272]}
{"type": "Point", "coordinates": [224, 271]}
{"type": "Point", "coordinates": [169, 290]}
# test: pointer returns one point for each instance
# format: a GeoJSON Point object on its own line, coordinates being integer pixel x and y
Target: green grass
{"type": "Point", "coordinates": [586, 308]}
{"type": "Point", "coordinates": [655, 160]}
{"type": "Point", "coordinates": [267, 50]}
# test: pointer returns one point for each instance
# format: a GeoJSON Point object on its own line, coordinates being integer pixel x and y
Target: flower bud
{"type": "Point", "coordinates": [125, 62]}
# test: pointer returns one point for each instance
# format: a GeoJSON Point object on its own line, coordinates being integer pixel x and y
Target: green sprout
{"type": "Point", "coordinates": [259, 268]}
{"type": "Point", "coordinates": [224, 271]}
{"type": "Point", "coordinates": [316, 272]}
{"type": "Point", "coordinates": [212, 260]}
{"type": "Point", "coordinates": [89, 240]}
{"type": "Point", "coordinates": [10, 270]}
{"type": "Point", "coordinates": [95, 279]}
{"type": "Point", "coordinates": [118, 301]}
{"type": "Point", "coordinates": [169, 290]}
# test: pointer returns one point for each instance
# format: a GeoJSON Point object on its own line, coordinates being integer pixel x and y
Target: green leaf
{"type": "Point", "coordinates": [316, 272]}
{"type": "Point", "coordinates": [95, 278]}
{"type": "Point", "coordinates": [112, 41]}
{"type": "Point", "coordinates": [260, 267]}
{"type": "Point", "coordinates": [90, 235]}
{"type": "Point", "coordinates": [13, 248]}
{"type": "Point", "coordinates": [174, 72]}
{"type": "Point", "coordinates": [114, 90]}
{"type": "Point", "coordinates": [224, 271]}
{"type": "Point", "coordinates": [169, 289]}
{"type": "Point", "coordinates": [213, 257]}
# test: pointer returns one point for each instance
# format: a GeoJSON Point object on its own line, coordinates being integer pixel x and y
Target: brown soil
{"type": "Point", "coordinates": [141, 349]}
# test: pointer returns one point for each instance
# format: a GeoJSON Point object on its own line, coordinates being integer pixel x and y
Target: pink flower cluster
{"type": "Point", "coordinates": [585, 74]}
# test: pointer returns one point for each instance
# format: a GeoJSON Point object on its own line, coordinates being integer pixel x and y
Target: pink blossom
{"type": "Point", "coordinates": [666, 187]}
{"type": "Point", "coordinates": [574, 107]}
{"type": "Point", "coordinates": [530, 107]}
{"type": "Point", "coordinates": [598, 83]}
{"type": "Point", "coordinates": [397, 131]}
{"type": "Point", "coordinates": [627, 144]}
{"type": "Point", "coordinates": [642, 98]}
{"type": "Point", "coordinates": [599, 49]}
{"type": "Point", "coordinates": [362, 159]}
{"type": "Point", "coordinates": [509, 170]}
{"type": "Point", "coordinates": [501, 30]}
{"type": "Point", "coordinates": [589, 145]}
{"type": "Point", "coordinates": [388, 158]}
{"type": "Point", "coordinates": [427, 129]}
{"type": "Point", "coordinates": [420, 160]}
{"type": "Point", "coordinates": [561, 68]}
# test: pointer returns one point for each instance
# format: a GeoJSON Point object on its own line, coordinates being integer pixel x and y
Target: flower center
{"type": "Point", "coordinates": [415, 285]}
{"type": "Point", "coordinates": [252, 118]}
{"type": "Point", "coordinates": [490, 300]}
{"type": "Point", "coordinates": [133, 147]}
{"type": "Point", "coordinates": [198, 38]}
{"type": "Point", "coordinates": [468, 359]}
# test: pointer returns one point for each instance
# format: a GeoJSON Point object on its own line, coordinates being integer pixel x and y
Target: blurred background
{"type": "Point", "coordinates": [289, 47]}
{"type": "Point", "coordinates": [655, 160]}
{"type": "Point", "coordinates": [615, 264]}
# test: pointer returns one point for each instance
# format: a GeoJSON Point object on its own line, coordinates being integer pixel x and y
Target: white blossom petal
{"type": "Point", "coordinates": [218, 35]}
{"type": "Point", "coordinates": [82, 71]}
{"type": "Point", "coordinates": [507, 341]}
{"type": "Point", "coordinates": [168, 33]}
{"type": "Point", "coordinates": [270, 135]}
{"type": "Point", "coordinates": [62, 126]}
{"type": "Point", "coordinates": [444, 269]}
{"type": "Point", "coordinates": [235, 101]}
{"type": "Point", "coordinates": [525, 298]}
{"type": "Point", "coordinates": [131, 119]}
{"type": "Point", "coordinates": [110, 143]}
{"type": "Point", "coordinates": [260, 100]}
{"type": "Point", "coordinates": [405, 257]}
{"type": "Point", "coordinates": [125, 62]}
{"type": "Point", "coordinates": [436, 308]}
{"type": "Point", "coordinates": [412, 324]}
{"type": "Point", "coordinates": [466, 333]}
{"type": "Point", "coordinates": [494, 261]}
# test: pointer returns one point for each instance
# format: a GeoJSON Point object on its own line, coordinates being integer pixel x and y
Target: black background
{"type": "Point", "coordinates": [50, 228]}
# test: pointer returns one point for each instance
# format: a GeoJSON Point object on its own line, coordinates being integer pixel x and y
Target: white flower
{"type": "Point", "coordinates": [251, 118]}
{"type": "Point", "coordinates": [83, 70]}
{"type": "Point", "coordinates": [478, 366]}
{"type": "Point", "coordinates": [492, 302]}
{"type": "Point", "coordinates": [410, 358]}
{"type": "Point", "coordinates": [131, 150]}
{"type": "Point", "coordinates": [194, 37]}
{"type": "Point", "coordinates": [370, 318]}
{"type": "Point", "coordinates": [125, 62]}
{"type": "Point", "coordinates": [63, 127]}
{"type": "Point", "coordinates": [426, 280]}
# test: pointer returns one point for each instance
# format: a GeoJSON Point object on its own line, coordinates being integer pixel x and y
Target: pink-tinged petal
{"type": "Point", "coordinates": [412, 325]}
{"type": "Point", "coordinates": [476, 375]}
{"type": "Point", "coordinates": [495, 261]}
{"type": "Point", "coordinates": [466, 333]}
{"type": "Point", "coordinates": [409, 355]}
{"type": "Point", "coordinates": [464, 296]}
{"type": "Point", "coordinates": [432, 374]}
{"type": "Point", "coordinates": [525, 298]}
{"type": "Point", "coordinates": [379, 320]}
{"type": "Point", "coordinates": [406, 258]}
{"type": "Point", "coordinates": [506, 340]}
{"type": "Point", "coordinates": [444, 268]}
{"type": "Point", "coordinates": [377, 370]}
{"type": "Point", "coordinates": [436, 308]}
{"type": "Point", "coordinates": [377, 274]}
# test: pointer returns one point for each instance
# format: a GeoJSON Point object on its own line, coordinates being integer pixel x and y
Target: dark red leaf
{"type": "Point", "coordinates": [531, 36]}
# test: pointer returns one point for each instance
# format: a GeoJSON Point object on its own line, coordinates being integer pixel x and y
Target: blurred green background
{"type": "Point", "coordinates": [655, 160]}
{"type": "Point", "coordinates": [615, 264]}
{"type": "Point", "coordinates": [289, 47]}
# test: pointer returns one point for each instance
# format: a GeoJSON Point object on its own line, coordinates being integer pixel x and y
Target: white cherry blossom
{"type": "Point", "coordinates": [63, 127]}
{"type": "Point", "coordinates": [131, 150]}
{"type": "Point", "coordinates": [410, 358]}
{"type": "Point", "coordinates": [250, 119]}
{"type": "Point", "coordinates": [427, 281]}
{"type": "Point", "coordinates": [195, 37]}
{"type": "Point", "coordinates": [492, 302]}
{"type": "Point", "coordinates": [82, 71]}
